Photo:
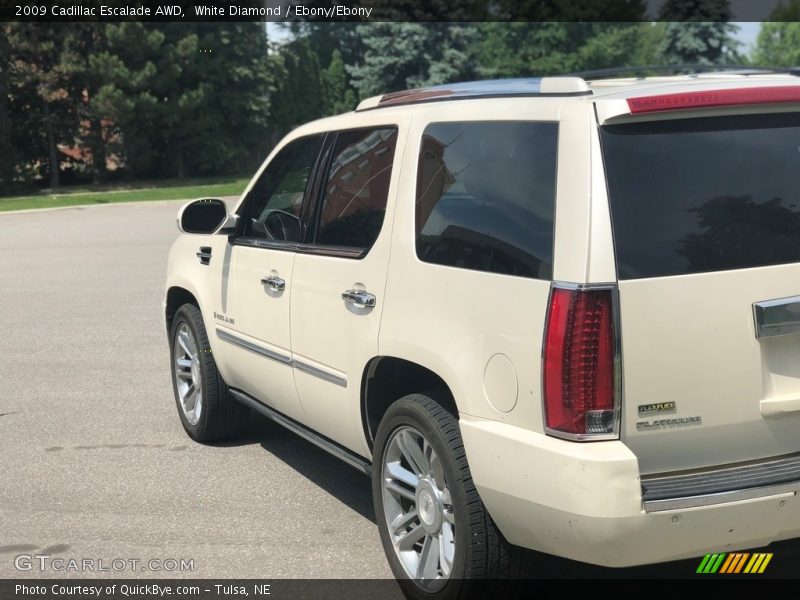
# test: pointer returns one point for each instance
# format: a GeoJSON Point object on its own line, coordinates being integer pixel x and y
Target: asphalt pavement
{"type": "Point", "coordinates": [93, 460]}
{"type": "Point", "coordinates": [94, 464]}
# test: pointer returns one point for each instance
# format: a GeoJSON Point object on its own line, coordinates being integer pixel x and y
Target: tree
{"type": "Point", "coordinates": [786, 12]}
{"type": "Point", "coordinates": [698, 32]}
{"type": "Point", "coordinates": [37, 98]}
{"type": "Point", "coordinates": [536, 49]}
{"type": "Point", "coordinates": [183, 99]}
{"type": "Point", "coordinates": [8, 150]}
{"type": "Point", "coordinates": [778, 42]}
{"type": "Point", "coordinates": [338, 96]}
{"type": "Point", "coordinates": [510, 10]}
{"type": "Point", "coordinates": [403, 55]}
{"type": "Point", "coordinates": [770, 229]}
{"type": "Point", "coordinates": [299, 93]}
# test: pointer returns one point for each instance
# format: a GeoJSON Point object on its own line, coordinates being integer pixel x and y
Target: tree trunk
{"type": "Point", "coordinates": [8, 163]}
{"type": "Point", "coordinates": [181, 165]}
{"type": "Point", "coordinates": [52, 149]}
{"type": "Point", "coordinates": [98, 146]}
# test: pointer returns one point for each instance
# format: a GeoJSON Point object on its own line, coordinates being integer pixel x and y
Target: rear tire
{"type": "Point", "coordinates": [418, 429]}
{"type": "Point", "coordinates": [206, 409]}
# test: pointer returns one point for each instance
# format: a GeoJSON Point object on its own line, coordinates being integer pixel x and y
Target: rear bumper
{"type": "Point", "coordinates": [583, 501]}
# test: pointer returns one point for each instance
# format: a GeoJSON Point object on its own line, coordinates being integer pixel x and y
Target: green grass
{"type": "Point", "coordinates": [154, 190]}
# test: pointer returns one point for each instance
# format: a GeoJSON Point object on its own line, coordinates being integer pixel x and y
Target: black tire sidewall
{"type": "Point", "coordinates": [409, 412]}
{"type": "Point", "coordinates": [185, 315]}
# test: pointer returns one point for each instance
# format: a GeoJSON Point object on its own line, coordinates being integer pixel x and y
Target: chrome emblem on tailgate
{"type": "Point", "coordinates": [658, 407]}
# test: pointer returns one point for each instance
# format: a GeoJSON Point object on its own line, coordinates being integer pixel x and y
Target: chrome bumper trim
{"type": "Point", "coordinates": [774, 476]}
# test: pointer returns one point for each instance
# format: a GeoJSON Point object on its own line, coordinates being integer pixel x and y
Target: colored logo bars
{"type": "Point", "coordinates": [735, 562]}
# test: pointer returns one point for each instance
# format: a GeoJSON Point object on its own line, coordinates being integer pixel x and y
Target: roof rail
{"type": "Point", "coordinates": [489, 88]}
{"type": "Point", "coordinates": [685, 69]}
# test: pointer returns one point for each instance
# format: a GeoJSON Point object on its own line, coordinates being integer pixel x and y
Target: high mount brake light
{"type": "Point", "coordinates": [714, 98]}
{"type": "Point", "coordinates": [580, 395]}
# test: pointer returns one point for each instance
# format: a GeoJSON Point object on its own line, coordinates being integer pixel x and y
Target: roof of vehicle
{"type": "Point", "coordinates": [565, 86]}
{"type": "Point", "coordinates": [632, 87]}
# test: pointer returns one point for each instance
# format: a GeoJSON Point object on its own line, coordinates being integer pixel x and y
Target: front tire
{"type": "Point", "coordinates": [207, 411]}
{"type": "Point", "coordinates": [434, 528]}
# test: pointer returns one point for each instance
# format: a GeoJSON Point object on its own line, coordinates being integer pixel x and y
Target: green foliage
{"type": "Point", "coordinates": [511, 10]}
{"type": "Point", "coordinates": [532, 49]}
{"type": "Point", "coordinates": [778, 45]}
{"type": "Point", "coordinates": [338, 96]}
{"type": "Point", "coordinates": [144, 192]}
{"type": "Point", "coordinates": [786, 12]}
{"type": "Point", "coordinates": [157, 99]}
{"type": "Point", "coordinates": [194, 99]}
{"type": "Point", "coordinates": [403, 55]}
{"type": "Point", "coordinates": [299, 95]}
{"type": "Point", "coordinates": [698, 32]}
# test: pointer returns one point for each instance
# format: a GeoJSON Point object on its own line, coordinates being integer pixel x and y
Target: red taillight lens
{"type": "Point", "coordinates": [579, 363]}
{"type": "Point", "coordinates": [712, 98]}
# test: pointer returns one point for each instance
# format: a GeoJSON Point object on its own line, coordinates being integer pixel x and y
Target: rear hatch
{"type": "Point", "coordinates": [706, 221]}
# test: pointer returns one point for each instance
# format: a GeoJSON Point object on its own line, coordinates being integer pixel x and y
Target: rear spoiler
{"type": "Point", "coordinates": [787, 94]}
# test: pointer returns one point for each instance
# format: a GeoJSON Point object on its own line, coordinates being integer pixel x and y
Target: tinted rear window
{"type": "Point", "coordinates": [699, 195]}
{"type": "Point", "coordinates": [485, 196]}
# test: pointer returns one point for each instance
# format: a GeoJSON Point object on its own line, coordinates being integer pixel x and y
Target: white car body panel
{"type": "Point", "coordinates": [686, 339]}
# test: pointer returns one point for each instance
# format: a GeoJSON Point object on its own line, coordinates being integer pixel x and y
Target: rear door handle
{"type": "Point", "coordinates": [777, 317]}
{"type": "Point", "coordinates": [359, 298]}
{"type": "Point", "coordinates": [273, 282]}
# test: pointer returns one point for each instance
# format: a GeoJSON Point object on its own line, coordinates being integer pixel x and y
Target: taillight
{"type": "Point", "coordinates": [713, 98]}
{"type": "Point", "coordinates": [580, 399]}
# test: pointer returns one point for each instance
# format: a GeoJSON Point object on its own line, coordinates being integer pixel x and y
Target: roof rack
{"type": "Point", "coordinates": [688, 69]}
{"type": "Point", "coordinates": [489, 88]}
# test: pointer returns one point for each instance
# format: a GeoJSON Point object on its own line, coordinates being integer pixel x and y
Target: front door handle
{"type": "Point", "coordinates": [359, 298]}
{"type": "Point", "coordinates": [204, 255]}
{"type": "Point", "coordinates": [275, 283]}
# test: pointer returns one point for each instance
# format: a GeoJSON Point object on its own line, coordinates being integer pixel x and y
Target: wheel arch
{"type": "Point", "coordinates": [386, 379]}
{"type": "Point", "coordinates": [176, 297]}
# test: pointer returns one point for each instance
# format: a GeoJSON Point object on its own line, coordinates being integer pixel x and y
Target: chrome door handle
{"type": "Point", "coordinates": [359, 299]}
{"type": "Point", "coordinates": [275, 283]}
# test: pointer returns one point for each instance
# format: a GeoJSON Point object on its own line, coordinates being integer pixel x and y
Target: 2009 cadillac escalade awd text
{"type": "Point", "coordinates": [541, 313]}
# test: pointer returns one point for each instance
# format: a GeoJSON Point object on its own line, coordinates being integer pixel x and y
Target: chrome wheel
{"type": "Point", "coordinates": [188, 374]}
{"type": "Point", "coordinates": [418, 508]}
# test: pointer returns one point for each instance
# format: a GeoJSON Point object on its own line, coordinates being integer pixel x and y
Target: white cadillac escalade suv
{"type": "Point", "coordinates": [540, 313]}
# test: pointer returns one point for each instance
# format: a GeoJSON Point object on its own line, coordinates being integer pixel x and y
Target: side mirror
{"type": "Point", "coordinates": [205, 215]}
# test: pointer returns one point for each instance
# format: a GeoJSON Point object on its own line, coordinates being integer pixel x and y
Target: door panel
{"type": "Point", "coordinates": [333, 338]}
{"type": "Point", "coordinates": [258, 337]}
{"type": "Point", "coordinates": [691, 340]}
{"type": "Point", "coordinates": [706, 220]}
{"type": "Point", "coordinates": [255, 328]}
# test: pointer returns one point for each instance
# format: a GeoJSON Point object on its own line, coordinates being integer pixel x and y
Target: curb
{"type": "Point", "coordinates": [229, 200]}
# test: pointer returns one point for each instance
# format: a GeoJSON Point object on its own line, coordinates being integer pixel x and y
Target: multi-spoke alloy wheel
{"type": "Point", "coordinates": [208, 412]}
{"type": "Point", "coordinates": [418, 508]}
{"type": "Point", "coordinates": [188, 380]}
{"type": "Point", "coordinates": [439, 539]}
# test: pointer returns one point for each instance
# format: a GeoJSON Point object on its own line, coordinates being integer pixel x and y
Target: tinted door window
{"type": "Point", "coordinates": [486, 195]}
{"type": "Point", "coordinates": [272, 208]}
{"type": "Point", "coordinates": [698, 195]}
{"type": "Point", "coordinates": [356, 188]}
